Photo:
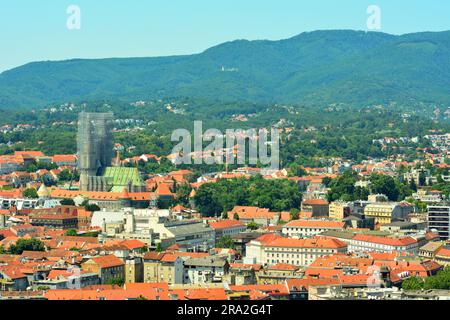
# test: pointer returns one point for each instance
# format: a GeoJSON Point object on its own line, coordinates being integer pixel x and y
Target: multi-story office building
{"type": "Point", "coordinates": [439, 219]}
{"type": "Point", "coordinates": [339, 210]}
{"type": "Point", "coordinates": [387, 212]}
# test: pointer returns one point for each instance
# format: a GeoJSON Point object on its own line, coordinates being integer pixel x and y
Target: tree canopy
{"type": "Point", "coordinates": [22, 245]}
{"type": "Point", "coordinates": [212, 199]}
{"type": "Point", "coordinates": [225, 242]}
{"type": "Point", "coordinates": [30, 193]}
{"type": "Point", "coordinates": [441, 281]}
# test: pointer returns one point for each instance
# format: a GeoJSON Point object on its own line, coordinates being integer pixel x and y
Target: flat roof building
{"type": "Point", "coordinates": [439, 219]}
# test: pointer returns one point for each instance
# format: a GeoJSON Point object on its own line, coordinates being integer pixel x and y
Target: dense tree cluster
{"type": "Point", "coordinates": [30, 193]}
{"type": "Point", "coordinates": [213, 199]}
{"type": "Point", "coordinates": [440, 281]}
{"type": "Point", "coordinates": [67, 175]}
{"type": "Point", "coordinates": [225, 242]}
{"type": "Point", "coordinates": [343, 187]}
{"type": "Point", "coordinates": [389, 186]}
{"type": "Point", "coordinates": [38, 165]}
{"type": "Point", "coordinates": [22, 245]}
{"type": "Point", "coordinates": [67, 202]}
{"type": "Point", "coordinates": [320, 132]}
{"type": "Point", "coordinates": [182, 194]}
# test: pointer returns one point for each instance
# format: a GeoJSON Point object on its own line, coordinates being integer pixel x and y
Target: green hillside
{"type": "Point", "coordinates": [312, 68]}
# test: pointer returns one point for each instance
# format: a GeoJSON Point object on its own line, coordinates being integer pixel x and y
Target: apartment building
{"type": "Point", "coordinates": [371, 243]}
{"type": "Point", "coordinates": [205, 270]}
{"type": "Point", "coordinates": [108, 268]}
{"type": "Point", "coordinates": [279, 273]}
{"type": "Point", "coordinates": [134, 270]}
{"type": "Point", "coordinates": [163, 267]}
{"type": "Point", "coordinates": [428, 196]}
{"type": "Point", "coordinates": [241, 274]}
{"type": "Point", "coordinates": [416, 174]}
{"type": "Point", "coordinates": [298, 252]}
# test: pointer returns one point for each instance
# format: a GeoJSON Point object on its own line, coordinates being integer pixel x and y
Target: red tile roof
{"type": "Point", "coordinates": [265, 288]}
{"type": "Point", "coordinates": [267, 238]}
{"type": "Point", "coordinates": [225, 224]}
{"type": "Point", "coordinates": [49, 216]}
{"type": "Point", "coordinates": [315, 202]}
{"type": "Point", "coordinates": [153, 255]}
{"type": "Point", "coordinates": [164, 190]}
{"type": "Point", "coordinates": [443, 252]}
{"type": "Point", "coordinates": [12, 272]}
{"type": "Point", "coordinates": [95, 195]}
{"type": "Point", "coordinates": [323, 224]}
{"type": "Point", "coordinates": [254, 267]}
{"type": "Point", "coordinates": [33, 154]}
{"type": "Point", "coordinates": [64, 158]}
{"type": "Point", "coordinates": [107, 261]}
{"type": "Point", "coordinates": [284, 267]}
{"type": "Point", "coordinates": [246, 212]}
{"type": "Point", "coordinates": [14, 193]}
{"type": "Point", "coordinates": [307, 243]}
{"type": "Point", "coordinates": [398, 242]}
{"type": "Point", "coordinates": [339, 261]}
{"type": "Point", "coordinates": [298, 284]}
{"type": "Point", "coordinates": [133, 244]}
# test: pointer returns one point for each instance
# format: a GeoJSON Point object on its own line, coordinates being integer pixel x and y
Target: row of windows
{"type": "Point", "coordinates": [301, 250]}
{"type": "Point", "coordinates": [306, 229]}
{"type": "Point", "coordinates": [233, 231]}
{"type": "Point", "coordinates": [293, 262]}
{"type": "Point", "coordinates": [277, 255]}
{"type": "Point", "coordinates": [380, 246]}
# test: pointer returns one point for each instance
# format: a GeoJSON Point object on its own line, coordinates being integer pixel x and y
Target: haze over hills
{"type": "Point", "coordinates": [318, 67]}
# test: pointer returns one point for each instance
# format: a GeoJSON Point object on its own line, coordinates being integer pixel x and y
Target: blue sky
{"type": "Point", "coordinates": [32, 30]}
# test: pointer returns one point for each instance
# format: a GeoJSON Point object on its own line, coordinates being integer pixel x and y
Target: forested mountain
{"type": "Point", "coordinates": [320, 67]}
